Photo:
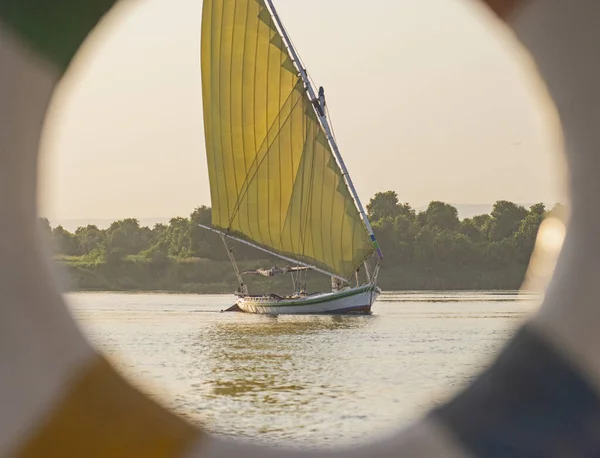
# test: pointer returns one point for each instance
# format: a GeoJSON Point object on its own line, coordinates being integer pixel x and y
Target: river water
{"type": "Point", "coordinates": [311, 380]}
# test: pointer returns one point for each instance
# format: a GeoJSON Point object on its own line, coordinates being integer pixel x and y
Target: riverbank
{"type": "Point", "coordinates": [203, 276]}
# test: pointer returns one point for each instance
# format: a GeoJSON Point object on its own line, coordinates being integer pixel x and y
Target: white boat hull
{"type": "Point", "coordinates": [351, 301]}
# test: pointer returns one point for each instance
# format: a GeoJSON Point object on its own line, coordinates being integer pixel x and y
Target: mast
{"type": "Point", "coordinates": [243, 290]}
{"type": "Point", "coordinates": [322, 116]}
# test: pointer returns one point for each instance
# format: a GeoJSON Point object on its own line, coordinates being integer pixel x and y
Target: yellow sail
{"type": "Point", "coordinates": [273, 177]}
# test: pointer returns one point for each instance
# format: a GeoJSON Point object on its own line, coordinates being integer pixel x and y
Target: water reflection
{"type": "Point", "coordinates": [316, 379]}
{"type": "Point", "coordinates": [280, 325]}
{"type": "Point", "coordinates": [453, 296]}
{"type": "Point", "coordinates": [268, 359]}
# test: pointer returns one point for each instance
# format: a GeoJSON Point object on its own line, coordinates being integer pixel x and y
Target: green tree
{"type": "Point", "coordinates": [405, 231]}
{"type": "Point", "coordinates": [482, 222]}
{"type": "Point", "coordinates": [538, 209]}
{"type": "Point", "coordinates": [158, 233]}
{"type": "Point", "coordinates": [65, 242]}
{"type": "Point", "coordinates": [204, 243]}
{"type": "Point", "coordinates": [424, 247]}
{"type": "Point", "coordinates": [383, 205]}
{"type": "Point", "coordinates": [126, 237]}
{"type": "Point", "coordinates": [441, 216]}
{"type": "Point", "coordinates": [452, 248]}
{"type": "Point", "coordinates": [89, 238]}
{"type": "Point", "coordinates": [158, 253]}
{"type": "Point", "coordinates": [406, 211]}
{"type": "Point", "coordinates": [433, 249]}
{"type": "Point", "coordinates": [506, 219]}
{"type": "Point", "coordinates": [472, 230]}
{"type": "Point", "coordinates": [178, 238]}
{"type": "Point", "coordinates": [499, 254]}
{"type": "Point", "coordinates": [526, 235]}
{"type": "Point", "coordinates": [385, 231]}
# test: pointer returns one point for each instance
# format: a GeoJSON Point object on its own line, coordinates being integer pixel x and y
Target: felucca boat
{"type": "Point", "coordinates": [277, 179]}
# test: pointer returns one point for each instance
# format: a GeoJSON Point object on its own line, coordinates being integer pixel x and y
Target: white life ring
{"type": "Point", "coordinates": [60, 398]}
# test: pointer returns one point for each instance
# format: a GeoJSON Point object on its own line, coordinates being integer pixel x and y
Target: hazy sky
{"type": "Point", "coordinates": [426, 99]}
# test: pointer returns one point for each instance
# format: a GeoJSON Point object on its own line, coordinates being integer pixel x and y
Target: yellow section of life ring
{"type": "Point", "coordinates": [101, 416]}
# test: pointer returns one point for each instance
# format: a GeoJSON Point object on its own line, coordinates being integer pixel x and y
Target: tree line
{"type": "Point", "coordinates": [430, 249]}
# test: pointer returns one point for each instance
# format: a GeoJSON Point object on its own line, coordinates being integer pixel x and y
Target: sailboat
{"type": "Point", "coordinates": [278, 182]}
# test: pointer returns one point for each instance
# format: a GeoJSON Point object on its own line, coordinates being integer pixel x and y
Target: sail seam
{"type": "Point", "coordinates": [292, 132]}
{"type": "Point", "coordinates": [288, 215]}
{"type": "Point", "coordinates": [254, 128]}
{"type": "Point", "coordinates": [343, 228]}
{"type": "Point", "coordinates": [331, 226]}
{"type": "Point", "coordinates": [231, 91]}
{"type": "Point", "coordinates": [269, 51]}
{"type": "Point", "coordinates": [220, 68]}
{"type": "Point", "coordinates": [354, 224]}
{"type": "Point", "coordinates": [311, 201]}
{"type": "Point", "coordinates": [302, 210]}
{"type": "Point", "coordinates": [308, 162]}
{"type": "Point", "coordinates": [250, 178]}
{"type": "Point", "coordinates": [259, 225]}
{"type": "Point", "coordinates": [212, 111]}
{"type": "Point", "coordinates": [279, 165]}
{"type": "Point", "coordinates": [323, 218]}
{"type": "Point", "coordinates": [243, 105]}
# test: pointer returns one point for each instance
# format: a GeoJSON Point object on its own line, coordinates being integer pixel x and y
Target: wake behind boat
{"type": "Point", "coordinates": [278, 181]}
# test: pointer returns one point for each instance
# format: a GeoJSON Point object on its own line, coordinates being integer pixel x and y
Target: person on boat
{"type": "Point", "coordinates": [319, 102]}
{"type": "Point", "coordinates": [322, 97]}
{"type": "Point", "coordinates": [242, 290]}
{"type": "Point", "coordinates": [336, 284]}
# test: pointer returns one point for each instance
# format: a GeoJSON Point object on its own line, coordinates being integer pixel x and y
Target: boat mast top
{"type": "Point", "coordinates": [319, 106]}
